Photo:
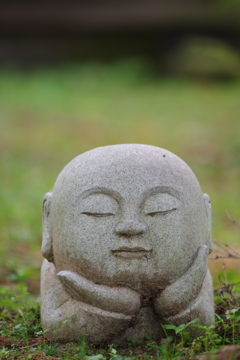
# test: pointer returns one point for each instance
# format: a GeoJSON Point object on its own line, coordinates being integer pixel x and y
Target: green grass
{"type": "Point", "coordinates": [49, 116]}
{"type": "Point", "coordinates": [21, 335]}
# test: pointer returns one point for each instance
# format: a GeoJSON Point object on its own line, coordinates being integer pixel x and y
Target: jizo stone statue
{"type": "Point", "coordinates": [126, 238]}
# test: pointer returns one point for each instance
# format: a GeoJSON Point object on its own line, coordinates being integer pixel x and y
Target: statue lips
{"type": "Point", "coordinates": [132, 253]}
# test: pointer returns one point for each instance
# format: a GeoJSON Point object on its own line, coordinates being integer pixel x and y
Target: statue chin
{"type": "Point", "coordinates": [137, 274]}
{"type": "Point", "coordinates": [144, 283]}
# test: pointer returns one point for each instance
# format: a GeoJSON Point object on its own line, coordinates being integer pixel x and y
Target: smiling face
{"type": "Point", "coordinates": [129, 221]}
{"type": "Point", "coordinates": [127, 215]}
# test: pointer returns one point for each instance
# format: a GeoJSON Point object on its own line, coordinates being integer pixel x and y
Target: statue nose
{"type": "Point", "coordinates": [130, 228]}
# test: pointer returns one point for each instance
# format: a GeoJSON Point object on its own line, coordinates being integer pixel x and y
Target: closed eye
{"type": "Point", "coordinates": [164, 212]}
{"type": "Point", "coordinates": [98, 214]}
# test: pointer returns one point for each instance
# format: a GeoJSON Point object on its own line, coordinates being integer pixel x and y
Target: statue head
{"type": "Point", "coordinates": [131, 215]}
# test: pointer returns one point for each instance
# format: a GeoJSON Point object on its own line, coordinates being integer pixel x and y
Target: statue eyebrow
{"type": "Point", "coordinates": [102, 190]}
{"type": "Point", "coordinates": [161, 190]}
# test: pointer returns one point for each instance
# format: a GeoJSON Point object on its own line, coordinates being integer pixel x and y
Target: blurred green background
{"type": "Point", "coordinates": [49, 116]}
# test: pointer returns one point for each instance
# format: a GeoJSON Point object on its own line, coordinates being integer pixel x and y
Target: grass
{"type": "Point", "coordinates": [49, 116]}
{"type": "Point", "coordinates": [21, 336]}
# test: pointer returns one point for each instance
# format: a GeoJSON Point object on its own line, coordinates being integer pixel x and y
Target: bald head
{"type": "Point", "coordinates": [123, 165]}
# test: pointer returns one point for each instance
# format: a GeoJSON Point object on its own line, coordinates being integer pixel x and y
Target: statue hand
{"type": "Point", "coordinates": [116, 299]}
{"type": "Point", "coordinates": [179, 295]}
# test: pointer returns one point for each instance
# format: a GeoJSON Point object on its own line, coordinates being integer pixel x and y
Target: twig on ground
{"type": "Point", "coordinates": [233, 220]}
{"type": "Point", "coordinates": [225, 251]}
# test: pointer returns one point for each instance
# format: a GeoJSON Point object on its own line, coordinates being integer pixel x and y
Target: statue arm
{"type": "Point", "coordinates": [202, 309]}
{"type": "Point", "coordinates": [182, 296]}
{"type": "Point", "coordinates": [65, 319]}
{"type": "Point", "coordinates": [115, 299]}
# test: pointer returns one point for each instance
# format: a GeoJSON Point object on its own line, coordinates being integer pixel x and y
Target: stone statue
{"type": "Point", "coordinates": [126, 238]}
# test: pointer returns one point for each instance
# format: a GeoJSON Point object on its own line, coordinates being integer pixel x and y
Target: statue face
{"type": "Point", "coordinates": [130, 219]}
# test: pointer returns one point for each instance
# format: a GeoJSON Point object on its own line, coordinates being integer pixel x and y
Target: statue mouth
{"type": "Point", "coordinates": [132, 253]}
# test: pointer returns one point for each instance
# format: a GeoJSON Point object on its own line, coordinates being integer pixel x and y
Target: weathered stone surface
{"type": "Point", "coordinates": [126, 234]}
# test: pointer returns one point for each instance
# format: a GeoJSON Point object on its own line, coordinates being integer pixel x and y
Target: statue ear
{"type": "Point", "coordinates": [47, 249]}
{"type": "Point", "coordinates": [208, 208]}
